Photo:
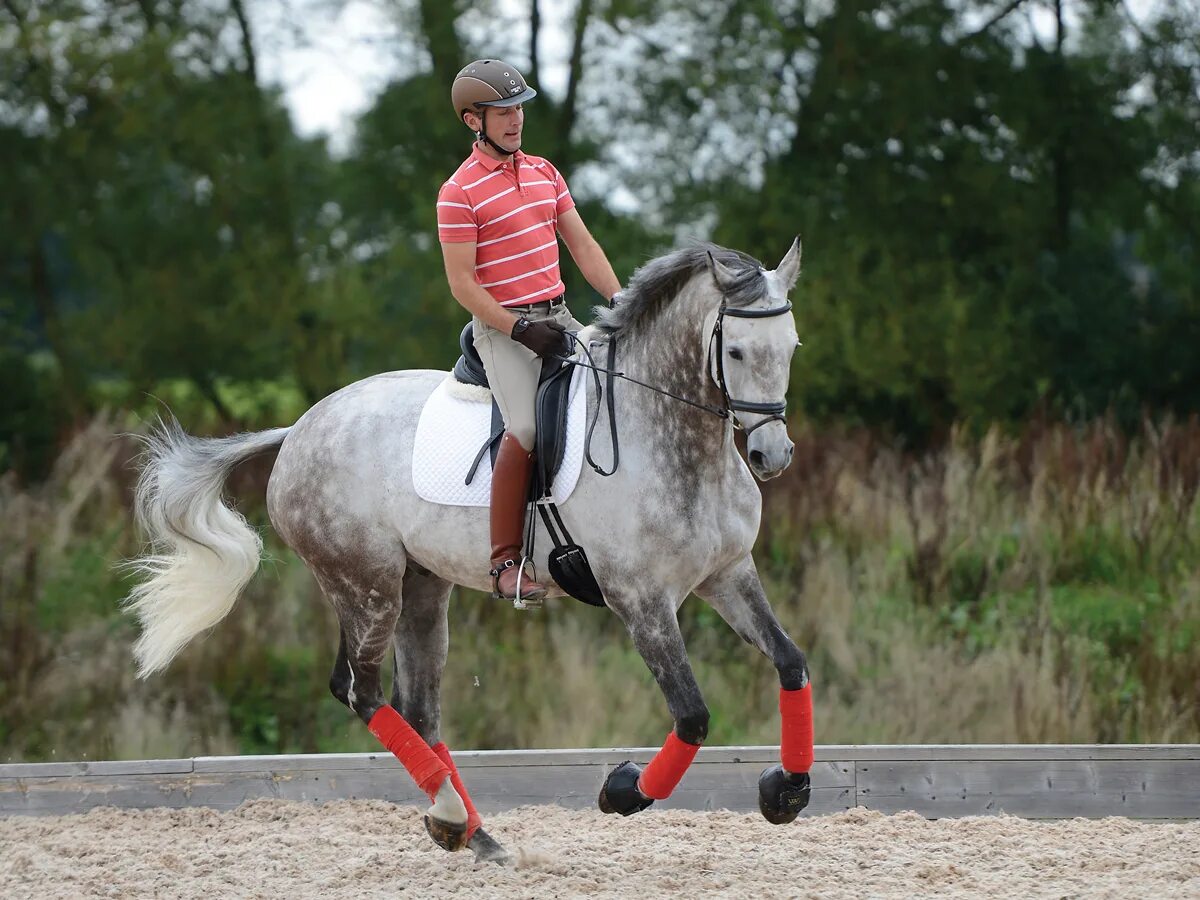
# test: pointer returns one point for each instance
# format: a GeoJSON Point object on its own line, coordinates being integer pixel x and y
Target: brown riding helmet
{"type": "Point", "coordinates": [488, 82]}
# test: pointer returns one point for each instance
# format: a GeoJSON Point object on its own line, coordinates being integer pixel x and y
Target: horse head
{"type": "Point", "coordinates": [754, 338]}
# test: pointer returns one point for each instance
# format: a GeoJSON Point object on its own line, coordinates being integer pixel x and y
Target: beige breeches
{"type": "Point", "coordinates": [513, 369]}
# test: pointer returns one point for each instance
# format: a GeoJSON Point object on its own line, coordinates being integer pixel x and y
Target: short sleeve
{"type": "Point", "coordinates": [456, 220]}
{"type": "Point", "coordinates": [563, 194]}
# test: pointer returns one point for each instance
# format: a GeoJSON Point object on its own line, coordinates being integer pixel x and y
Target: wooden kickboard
{"type": "Point", "coordinates": [1035, 781]}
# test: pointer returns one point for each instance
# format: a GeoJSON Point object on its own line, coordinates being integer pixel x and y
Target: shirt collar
{"type": "Point", "coordinates": [488, 162]}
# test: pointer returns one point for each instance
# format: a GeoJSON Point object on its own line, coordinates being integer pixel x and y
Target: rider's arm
{"type": "Point", "coordinates": [458, 232]}
{"type": "Point", "coordinates": [588, 254]}
{"type": "Point", "coordinates": [459, 258]}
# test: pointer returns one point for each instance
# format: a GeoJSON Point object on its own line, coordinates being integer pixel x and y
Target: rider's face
{"type": "Point", "coordinates": [504, 125]}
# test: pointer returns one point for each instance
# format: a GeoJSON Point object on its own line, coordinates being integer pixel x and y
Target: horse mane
{"type": "Point", "coordinates": [658, 282]}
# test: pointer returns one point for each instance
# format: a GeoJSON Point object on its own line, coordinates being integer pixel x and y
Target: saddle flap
{"type": "Point", "coordinates": [550, 414]}
{"type": "Point", "coordinates": [453, 427]}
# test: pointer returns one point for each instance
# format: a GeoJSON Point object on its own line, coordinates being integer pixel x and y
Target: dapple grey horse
{"type": "Point", "coordinates": [681, 513]}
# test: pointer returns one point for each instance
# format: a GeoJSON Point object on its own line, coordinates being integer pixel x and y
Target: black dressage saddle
{"type": "Point", "coordinates": [550, 409]}
{"type": "Point", "coordinates": [567, 561]}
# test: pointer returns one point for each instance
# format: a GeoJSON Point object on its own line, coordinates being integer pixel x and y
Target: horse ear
{"type": "Point", "coordinates": [722, 274]}
{"type": "Point", "coordinates": [789, 267]}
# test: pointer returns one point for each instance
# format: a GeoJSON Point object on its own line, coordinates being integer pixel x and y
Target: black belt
{"type": "Point", "coordinates": [561, 298]}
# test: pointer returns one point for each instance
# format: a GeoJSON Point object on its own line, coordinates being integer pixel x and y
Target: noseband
{"type": "Point", "coordinates": [772, 411]}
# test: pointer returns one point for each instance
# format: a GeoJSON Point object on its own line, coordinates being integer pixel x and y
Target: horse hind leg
{"type": "Point", "coordinates": [367, 619]}
{"type": "Point", "coordinates": [421, 642]}
{"type": "Point", "coordinates": [341, 679]}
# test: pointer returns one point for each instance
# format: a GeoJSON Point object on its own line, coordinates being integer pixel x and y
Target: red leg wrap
{"type": "Point", "coordinates": [473, 818]}
{"type": "Point", "coordinates": [796, 747]}
{"type": "Point", "coordinates": [667, 767]}
{"type": "Point", "coordinates": [407, 746]}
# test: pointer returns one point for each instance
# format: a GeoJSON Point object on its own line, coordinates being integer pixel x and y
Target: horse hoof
{"type": "Point", "coordinates": [446, 835]}
{"type": "Point", "coordinates": [620, 793]}
{"type": "Point", "coordinates": [487, 849]}
{"type": "Point", "coordinates": [781, 796]}
{"type": "Point", "coordinates": [605, 806]}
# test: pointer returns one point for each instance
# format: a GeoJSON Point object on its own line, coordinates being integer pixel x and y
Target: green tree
{"type": "Point", "coordinates": [976, 206]}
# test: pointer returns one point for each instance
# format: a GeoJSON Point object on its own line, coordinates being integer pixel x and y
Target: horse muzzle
{"type": "Point", "coordinates": [769, 451]}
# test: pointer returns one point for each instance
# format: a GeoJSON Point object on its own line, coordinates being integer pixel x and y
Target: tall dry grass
{"type": "Point", "coordinates": [1040, 587]}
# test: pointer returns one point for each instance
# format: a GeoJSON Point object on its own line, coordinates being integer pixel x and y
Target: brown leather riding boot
{"type": "Point", "coordinates": [510, 491]}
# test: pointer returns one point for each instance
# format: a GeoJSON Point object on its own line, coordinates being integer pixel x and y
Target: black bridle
{"type": "Point", "coordinates": [772, 411]}
{"type": "Point", "coordinates": [728, 410]}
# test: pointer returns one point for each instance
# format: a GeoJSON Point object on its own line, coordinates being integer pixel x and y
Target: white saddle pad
{"type": "Point", "coordinates": [455, 422]}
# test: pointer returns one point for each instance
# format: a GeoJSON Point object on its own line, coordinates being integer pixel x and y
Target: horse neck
{"type": "Point", "coordinates": [669, 352]}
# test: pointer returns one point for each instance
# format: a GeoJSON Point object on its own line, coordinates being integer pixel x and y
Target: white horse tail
{"type": "Point", "coordinates": [202, 553]}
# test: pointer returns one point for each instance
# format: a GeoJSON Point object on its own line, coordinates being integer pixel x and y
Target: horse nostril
{"type": "Point", "coordinates": [757, 459]}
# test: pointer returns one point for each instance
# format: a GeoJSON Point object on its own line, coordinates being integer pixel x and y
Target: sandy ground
{"type": "Point", "coordinates": [273, 848]}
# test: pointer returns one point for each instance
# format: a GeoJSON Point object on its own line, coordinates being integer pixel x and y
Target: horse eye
{"type": "Point", "coordinates": [735, 353]}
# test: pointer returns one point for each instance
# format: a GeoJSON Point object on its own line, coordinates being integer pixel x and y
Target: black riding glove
{"type": "Point", "coordinates": [543, 338]}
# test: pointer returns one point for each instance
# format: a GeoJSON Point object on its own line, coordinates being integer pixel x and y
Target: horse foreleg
{"type": "Point", "coordinates": [737, 595]}
{"type": "Point", "coordinates": [421, 641]}
{"type": "Point", "coordinates": [655, 632]}
{"type": "Point", "coordinates": [368, 619]}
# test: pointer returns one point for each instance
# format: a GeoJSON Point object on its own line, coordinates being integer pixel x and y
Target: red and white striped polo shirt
{"type": "Point", "coordinates": [511, 213]}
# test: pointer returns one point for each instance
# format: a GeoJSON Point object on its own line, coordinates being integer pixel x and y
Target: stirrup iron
{"type": "Point", "coordinates": [520, 602]}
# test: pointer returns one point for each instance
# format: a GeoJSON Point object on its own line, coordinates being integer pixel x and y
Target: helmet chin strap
{"type": "Point", "coordinates": [481, 134]}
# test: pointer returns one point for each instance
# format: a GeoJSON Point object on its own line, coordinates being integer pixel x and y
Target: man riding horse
{"type": "Point", "coordinates": [705, 334]}
{"type": "Point", "coordinates": [497, 217]}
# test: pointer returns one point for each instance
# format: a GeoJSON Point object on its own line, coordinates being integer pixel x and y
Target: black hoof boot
{"type": "Point", "coordinates": [620, 793]}
{"type": "Point", "coordinates": [446, 835]}
{"type": "Point", "coordinates": [781, 796]}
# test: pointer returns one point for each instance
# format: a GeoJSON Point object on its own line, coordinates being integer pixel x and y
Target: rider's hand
{"type": "Point", "coordinates": [543, 338]}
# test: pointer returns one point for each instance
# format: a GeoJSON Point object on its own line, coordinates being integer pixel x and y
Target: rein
{"type": "Point", "coordinates": [773, 411]}
{"type": "Point", "coordinates": [717, 411]}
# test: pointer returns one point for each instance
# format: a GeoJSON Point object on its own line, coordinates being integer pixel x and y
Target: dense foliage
{"type": "Point", "coordinates": [997, 218]}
